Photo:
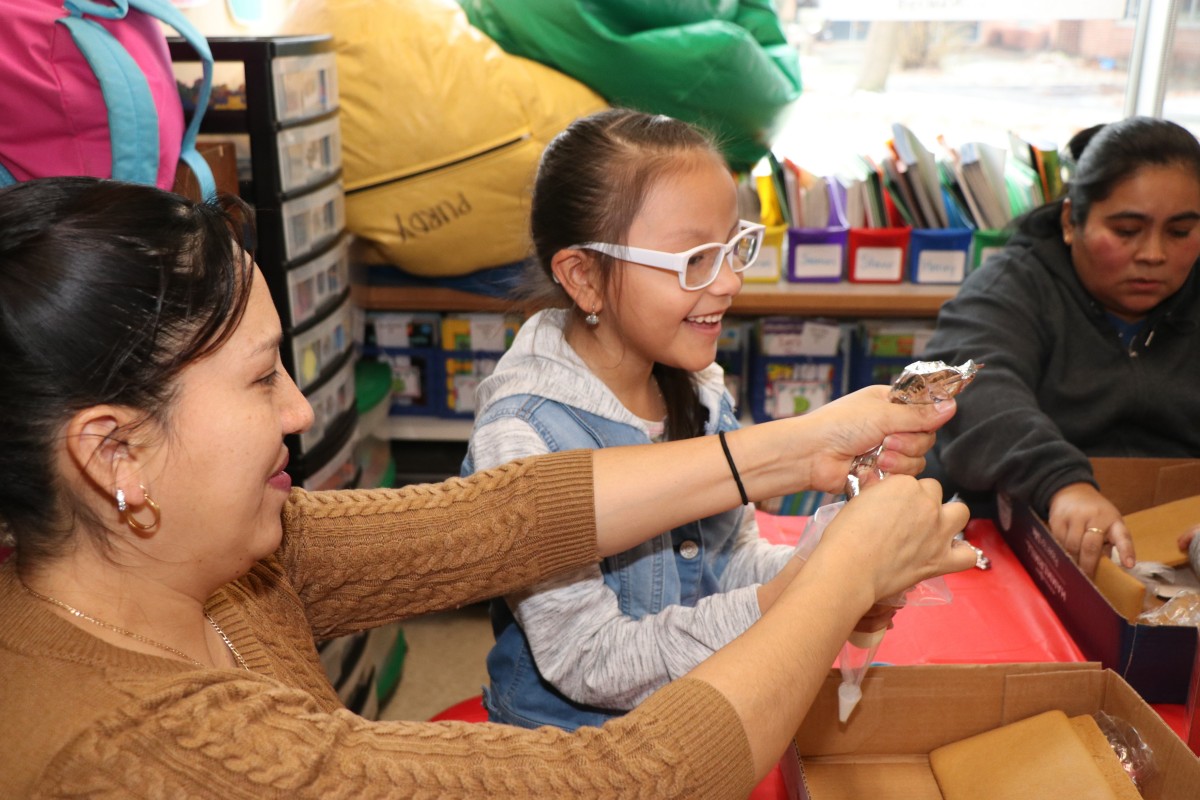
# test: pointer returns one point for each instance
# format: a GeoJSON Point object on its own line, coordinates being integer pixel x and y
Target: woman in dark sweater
{"type": "Point", "coordinates": [1088, 322]}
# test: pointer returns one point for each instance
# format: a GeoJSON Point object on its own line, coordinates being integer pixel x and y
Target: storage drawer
{"type": "Point", "coordinates": [305, 86]}
{"type": "Point", "coordinates": [312, 220]}
{"type": "Point", "coordinates": [317, 350]}
{"type": "Point", "coordinates": [309, 154]}
{"type": "Point", "coordinates": [315, 284]}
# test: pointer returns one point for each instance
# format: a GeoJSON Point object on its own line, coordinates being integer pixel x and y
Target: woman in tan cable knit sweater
{"type": "Point", "coordinates": [159, 615]}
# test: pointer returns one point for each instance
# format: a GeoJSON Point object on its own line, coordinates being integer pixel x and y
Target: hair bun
{"type": "Point", "coordinates": [1079, 142]}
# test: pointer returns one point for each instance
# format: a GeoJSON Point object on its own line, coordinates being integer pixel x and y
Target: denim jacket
{"type": "Point", "coordinates": [678, 567]}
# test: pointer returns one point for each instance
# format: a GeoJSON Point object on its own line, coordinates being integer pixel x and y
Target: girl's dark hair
{"type": "Point", "coordinates": [107, 291]}
{"type": "Point", "coordinates": [1105, 155]}
{"type": "Point", "coordinates": [590, 185]}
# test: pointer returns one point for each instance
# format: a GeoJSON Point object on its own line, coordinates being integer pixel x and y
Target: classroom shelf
{"type": "Point", "coordinates": [805, 299]}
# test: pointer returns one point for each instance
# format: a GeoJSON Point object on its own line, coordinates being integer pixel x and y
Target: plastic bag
{"type": "Point", "coordinates": [859, 650]}
{"type": "Point", "coordinates": [1134, 754]}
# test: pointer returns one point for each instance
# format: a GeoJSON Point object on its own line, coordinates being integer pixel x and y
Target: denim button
{"type": "Point", "coordinates": [689, 549]}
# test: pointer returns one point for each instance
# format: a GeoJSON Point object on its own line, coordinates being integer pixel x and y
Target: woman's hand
{"type": "Point", "coordinates": [899, 533]}
{"type": "Point", "coordinates": [892, 536]}
{"type": "Point", "coordinates": [1185, 541]}
{"type": "Point", "coordinates": [1088, 527]}
{"type": "Point", "coordinates": [879, 618]}
{"type": "Point", "coordinates": [857, 423]}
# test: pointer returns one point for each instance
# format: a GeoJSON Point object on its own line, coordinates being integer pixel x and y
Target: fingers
{"type": "Point", "coordinates": [918, 531]}
{"type": "Point", "coordinates": [1118, 537]}
{"type": "Point", "coordinates": [877, 619]}
{"type": "Point", "coordinates": [1091, 547]}
{"type": "Point", "coordinates": [956, 514]}
{"type": "Point", "coordinates": [904, 453]}
{"type": "Point", "coordinates": [1185, 541]}
{"type": "Point", "coordinates": [1089, 527]}
{"type": "Point", "coordinates": [920, 417]}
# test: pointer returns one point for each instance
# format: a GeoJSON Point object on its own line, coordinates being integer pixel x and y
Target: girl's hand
{"type": "Point", "coordinates": [859, 422]}
{"type": "Point", "coordinates": [1088, 527]}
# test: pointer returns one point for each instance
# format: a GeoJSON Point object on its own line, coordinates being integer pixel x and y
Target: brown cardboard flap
{"type": "Point", "coordinates": [1156, 531]}
{"type": "Point", "coordinates": [1125, 593]}
{"type": "Point", "coordinates": [938, 705]}
{"type": "Point", "coordinates": [1072, 691]}
{"type": "Point", "coordinates": [1177, 482]}
{"type": "Point", "coordinates": [1132, 484]}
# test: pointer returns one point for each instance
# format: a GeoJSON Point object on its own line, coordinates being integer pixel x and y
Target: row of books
{"type": "Point", "coordinates": [974, 185]}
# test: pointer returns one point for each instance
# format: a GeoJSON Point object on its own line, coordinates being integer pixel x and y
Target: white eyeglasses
{"type": "Point", "coordinates": [699, 266]}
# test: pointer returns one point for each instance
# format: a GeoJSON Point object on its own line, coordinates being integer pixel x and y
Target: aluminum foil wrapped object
{"type": "Point", "coordinates": [920, 382]}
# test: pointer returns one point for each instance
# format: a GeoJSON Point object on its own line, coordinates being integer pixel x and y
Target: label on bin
{"type": "Point", "coordinates": [817, 261]}
{"type": "Point", "coordinates": [941, 266]}
{"type": "Point", "coordinates": [878, 263]}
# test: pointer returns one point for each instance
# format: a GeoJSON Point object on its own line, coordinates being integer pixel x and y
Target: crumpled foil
{"type": "Point", "coordinates": [921, 382]}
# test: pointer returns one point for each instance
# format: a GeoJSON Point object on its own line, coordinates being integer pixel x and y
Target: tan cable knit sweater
{"type": "Point", "coordinates": [84, 718]}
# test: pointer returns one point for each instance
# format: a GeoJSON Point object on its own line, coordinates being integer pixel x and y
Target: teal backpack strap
{"type": "Point", "coordinates": [132, 117]}
{"type": "Point", "coordinates": [164, 11]}
{"type": "Point", "coordinates": [6, 177]}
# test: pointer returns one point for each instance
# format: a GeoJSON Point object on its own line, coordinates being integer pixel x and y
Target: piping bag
{"type": "Point", "coordinates": [920, 382]}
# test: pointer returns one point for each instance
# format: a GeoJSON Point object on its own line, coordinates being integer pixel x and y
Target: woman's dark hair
{"type": "Point", "coordinates": [1105, 155]}
{"type": "Point", "coordinates": [107, 291]}
{"type": "Point", "coordinates": [591, 183]}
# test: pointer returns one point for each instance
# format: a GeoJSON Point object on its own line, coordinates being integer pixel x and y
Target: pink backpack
{"type": "Point", "coordinates": [87, 89]}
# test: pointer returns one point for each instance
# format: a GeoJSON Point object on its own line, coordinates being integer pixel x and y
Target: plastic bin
{"type": "Point", "coordinates": [938, 255]}
{"type": "Point", "coordinates": [986, 242]}
{"type": "Point", "coordinates": [877, 255]}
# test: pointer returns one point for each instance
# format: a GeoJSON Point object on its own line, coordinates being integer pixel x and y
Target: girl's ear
{"type": "Point", "coordinates": [98, 452]}
{"type": "Point", "coordinates": [1068, 227]}
{"type": "Point", "coordinates": [577, 274]}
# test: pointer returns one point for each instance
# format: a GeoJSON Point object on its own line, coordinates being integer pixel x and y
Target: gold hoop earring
{"type": "Point", "coordinates": [141, 527]}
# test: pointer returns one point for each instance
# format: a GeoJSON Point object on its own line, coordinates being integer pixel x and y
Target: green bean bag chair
{"type": "Point", "coordinates": [723, 64]}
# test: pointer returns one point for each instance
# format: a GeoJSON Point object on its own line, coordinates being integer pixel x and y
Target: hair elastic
{"type": "Point", "coordinates": [732, 468]}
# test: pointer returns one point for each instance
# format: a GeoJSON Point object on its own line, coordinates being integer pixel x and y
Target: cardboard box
{"type": "Point", "coordinates": [1157, 660]}
{"type": "Point", "coordinates": [905, 712]}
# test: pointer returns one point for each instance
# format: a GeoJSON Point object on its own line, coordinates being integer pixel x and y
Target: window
{"type": "Point", "coordinates": [955, 70]}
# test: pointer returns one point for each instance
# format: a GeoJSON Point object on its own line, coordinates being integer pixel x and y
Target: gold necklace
{"type": "Point", "coordinates": [137, 636]}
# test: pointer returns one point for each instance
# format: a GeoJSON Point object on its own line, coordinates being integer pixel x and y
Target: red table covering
{"type": "Point", "coordinates": [995, 616]}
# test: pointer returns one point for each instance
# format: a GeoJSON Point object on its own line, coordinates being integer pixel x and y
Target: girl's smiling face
{"type": "Point", "coordinates": [1139, 244]}
{"type": "Point", "coordinates": [656, 319]}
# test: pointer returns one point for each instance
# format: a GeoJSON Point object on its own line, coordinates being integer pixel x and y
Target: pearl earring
{"type": "Point", "coordinates": [592, 319]}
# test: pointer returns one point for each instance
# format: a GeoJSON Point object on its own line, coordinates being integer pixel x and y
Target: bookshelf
{"type": "Point", "coordinates": [841, 300]}
{"type": "Point", "coordinates": [838, 300]}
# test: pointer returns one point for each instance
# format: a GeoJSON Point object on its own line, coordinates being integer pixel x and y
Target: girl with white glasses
{"type": "Point", "coordinates": [639, 253]}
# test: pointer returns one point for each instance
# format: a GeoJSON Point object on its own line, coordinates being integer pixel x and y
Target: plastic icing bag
{"type": "Point", "coordinates": [859, 650]}
{"type": "Point", "coordinates": [920, 382]}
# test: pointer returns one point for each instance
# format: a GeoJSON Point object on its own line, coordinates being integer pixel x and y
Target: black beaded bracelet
{"type": "Point", "coordinates": [732, 468]}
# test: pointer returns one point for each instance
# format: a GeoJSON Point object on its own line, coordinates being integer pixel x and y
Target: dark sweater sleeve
{"type": "Point", "coordinates": [363, 558]}
{"type": "Point", "coordinates": [1000, 438]}
{"type": "Point", "coordinates": [263, 741]}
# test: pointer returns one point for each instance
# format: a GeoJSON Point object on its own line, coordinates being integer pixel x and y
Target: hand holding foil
{"type": "Point", "coordinates": [921, 382]}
